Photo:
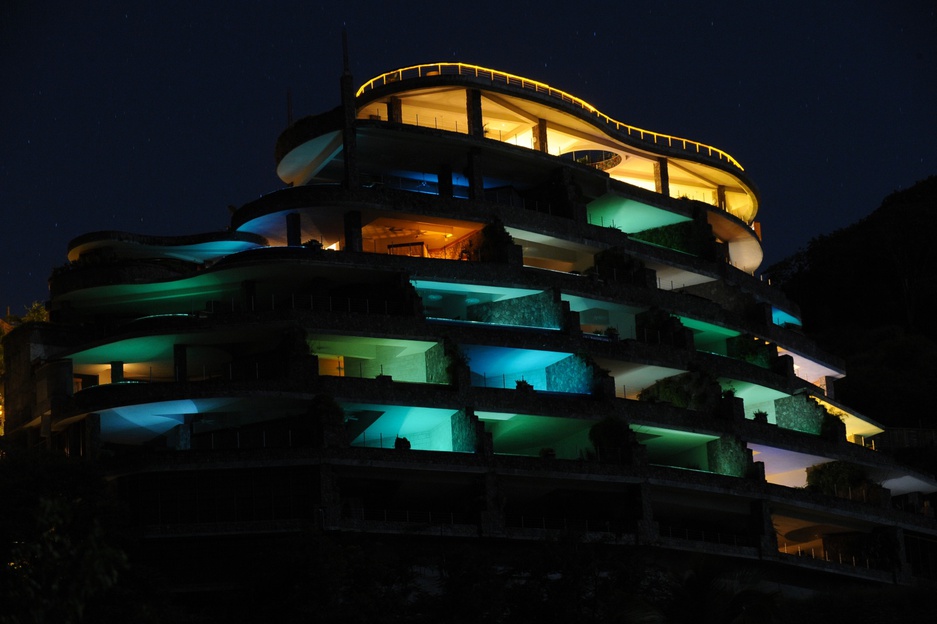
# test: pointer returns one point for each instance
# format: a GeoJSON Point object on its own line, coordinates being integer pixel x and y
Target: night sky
{"type": "Point", "coordinates": [155, 119]}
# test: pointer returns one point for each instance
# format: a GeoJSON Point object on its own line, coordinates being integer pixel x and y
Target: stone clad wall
{"type": "Point", "coordinates": [729, 456]}
{"type": "Point", "coordinates": [800, 414]}
{"type": "Point", "coordinates": [464, 432]}
{"type": "Point", "coordinates": [437, 365]}
{"type": "Point", "coordinates": [540, 310]}
{"type": "Point", "coordinates": [572, 374]}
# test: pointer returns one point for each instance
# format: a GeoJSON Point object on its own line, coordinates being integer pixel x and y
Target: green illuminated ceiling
{"type": "Point", "coordinates": [517, 433]}
{"type": "Point", "coordinates": [629, 215]}
{"type": "Point", "coordinates": [669, 442]}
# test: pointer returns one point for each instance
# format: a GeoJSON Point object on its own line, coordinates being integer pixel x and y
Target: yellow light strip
{"type": "Point", "coordinates": [464, 69]}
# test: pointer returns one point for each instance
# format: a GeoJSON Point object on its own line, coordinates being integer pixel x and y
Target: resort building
{"type": "Point", "coordinates": [480, 309]}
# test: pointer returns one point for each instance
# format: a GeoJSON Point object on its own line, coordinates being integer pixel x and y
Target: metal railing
{"type": "Point", "coordinates": [416, 516]}
{"type": "Point", "coordinates": [711, 537]}
{"type": "Point", "coordinates": [821, 554]}
{"type": "Point", "coordinates": [306, 301]}
{"type": "Point", "coordinates": [495, 76]}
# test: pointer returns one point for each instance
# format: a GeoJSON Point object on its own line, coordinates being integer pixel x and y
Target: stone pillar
{"type": "Point", "coordinates": [179, 438]}
{"type": "Point", "coordinates": [294, 229]}
{"type": "Point", "coordinates": [437, 364]}
{"type": "Point", "coordinates": [444, 181]}
{"type": "Point", "coordinates": [179, 362]}
{"type": "Point", "coordinates": [540, 135]}
{"type": "Point", "coordinates": [473, 110]}
{"type": "Point", "coordinates": [492, 515]}
{"type": "Point", "coordinates": [464, 433]}
{"type": "Point", "coordinates": [761, 527]}
{"type": "Point", "coordinates": [353, 238]}
{"type": "Point", "coordinates": [117, 372]}
{"type": "Point", "coordinates": [729, 456]}
{"type": "Point", "coordinates": [474, 174]}
{"type": "Point", "coordinates": [893, 544]}
{"type": "Point", "coordinates": [394, 110]}
{"type": "Point", "coordinates": [330, 498]}
{"type": "Point", "coordinates": [662, 177]}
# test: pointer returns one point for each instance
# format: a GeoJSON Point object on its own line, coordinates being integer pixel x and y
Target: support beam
{"type": "Point", "coordinates": [520, 112]}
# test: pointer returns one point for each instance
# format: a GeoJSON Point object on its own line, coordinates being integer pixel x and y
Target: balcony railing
{"type": "Point", "coordinates": [495, 76]}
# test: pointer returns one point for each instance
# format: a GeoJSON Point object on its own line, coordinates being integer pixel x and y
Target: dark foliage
{"type": "Point", "coordinates": [694, 390]}
{"type": "Point", "coordinates": [835, 476]}
{"type": "Point", "coordinates": [496, 244]}
{"type": "Point", "coordinates": [61, 550]}
{"type": "Point", "coordinates": [691, 237]}
{"type": "Point", "coordinates": [865, 293]}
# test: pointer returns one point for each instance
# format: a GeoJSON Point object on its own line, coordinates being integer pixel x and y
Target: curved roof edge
{"type": "Point", "coordinates": [495, 77]}
{"type": "Point", "coordinates": [114, 238]}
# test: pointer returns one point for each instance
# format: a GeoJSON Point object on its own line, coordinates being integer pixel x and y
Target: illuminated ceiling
{"type": "Point", "coordinates": [517, 433]}
{"type": "Point", "coordinates": [630, 215]}
{"type": "Point", "coordinates": [509, 118]}
{"type": "Point", "coordinates": [378, 422]}
{"type": "Point", "coordinates": [488, 360]}
{"type": "Point", "coordinates": [663, 443]}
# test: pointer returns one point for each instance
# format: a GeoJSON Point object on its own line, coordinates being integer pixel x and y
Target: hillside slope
{"type": "Point", "coordinates": [867, 293]}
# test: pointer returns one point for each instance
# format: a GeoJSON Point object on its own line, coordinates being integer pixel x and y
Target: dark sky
{"type": "Point", "coordinates": [154, 119]}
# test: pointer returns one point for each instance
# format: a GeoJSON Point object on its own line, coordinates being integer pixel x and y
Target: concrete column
{"type": "Point", "coordinates": [444, 181]}
{"type": "Point", "coordinates": [248, 294]}
{"type": "Point", "coordinates": [179, 362]}
{"type": "Point", "coordinates": [492, 515]}
{"type": "Point", "coordinates": [721, 197]}
{"type": "Point", "coordinates": [117, 372]}
{"type": "Point", "coordinates": [329, 497]}
{"type": "Point", "coordinates": [353, 238]}
{"type": "Point", "coordinates": [894, 536]}
{"type": "Point", "coordinates": [394, 110]}
{"type": "Point", "coordinates": [474, 174]}
{"type": "Point", "coordinates": [45, 426]}
{"type": "Point", "coordinates": [89, 431]}
{"type": "Point", "coordinates": [648, 531]}
{"type": "Point", "coordinates": [473, 110]}
{"type": "Point", "coordinates": [662, 177]}
{"type": "Point", "coordinates": [294, 229]}
{"type": "Point", "coordinates": [540, 136]}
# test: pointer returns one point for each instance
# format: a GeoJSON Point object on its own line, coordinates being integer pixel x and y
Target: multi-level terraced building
{"type": "Point", "coordinates": [533, 318]}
